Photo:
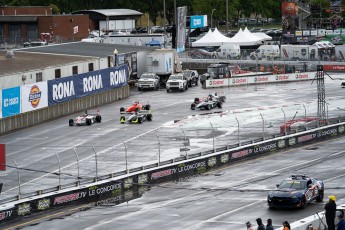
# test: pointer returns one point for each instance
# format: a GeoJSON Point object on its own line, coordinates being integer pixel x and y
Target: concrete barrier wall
{"type": "Point", "coordinates": [38, 116]}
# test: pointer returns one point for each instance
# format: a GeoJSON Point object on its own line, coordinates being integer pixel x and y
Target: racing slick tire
{"type": "Point", "coordinates": [149, 117]}
{"type": "Point", "coordinates": [167, 91]}
{"type": "Point", "coordinates": [139, 89]}
{"type": "Point", "coordinates": [222, 98]}
{"type": "Point", "coordinates": [192, 107]}
{"type": "Point", "coordinates": [319, 198]}
{"type": "Point", "coordinates": [140, 120]}
{"type": "Point", "coordinates": [196, 100]}
{"type": "Point", "coordinates": [98, 119]}
{"type": "Point", "coordinates": [147, 107]}
{"type": "Point", "coordinates": [122, 109]}
{"type": "Point", "coordinates": [88, 122]}
{"type": "Point", "coordinates": [123, 120]}
{"type": "Point", "coordinates": [71, 122]}
{"type": "Point", "coordinates": [208, 107]}
{"type": "Point", "coordinates": [303, 203]}
{"type": "Point", "coordinates": [219, 104]}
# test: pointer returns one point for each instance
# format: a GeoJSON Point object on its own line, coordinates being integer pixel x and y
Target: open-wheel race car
{"type": "Point", "coordinates": [137, 113]}
{"type": "Point", "coordinates": [86, 119]}
{"type": "Point", "coordinates": [207, 103]}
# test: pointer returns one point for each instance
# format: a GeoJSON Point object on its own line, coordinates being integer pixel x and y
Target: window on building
{"type": "Point", "coordinates": [58, 73]}
{"type": "Point", "coordinates": [74, 70]}
{"type": "Point", "coordinates": [38, 76]}
{"type": "Point", "coordinates": [90, 67]}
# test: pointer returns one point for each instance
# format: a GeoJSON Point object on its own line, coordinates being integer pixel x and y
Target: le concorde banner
{"type": "Point", "coordinates": [34, 96]}
{"type": "Point", "coordinates": [81, 85]}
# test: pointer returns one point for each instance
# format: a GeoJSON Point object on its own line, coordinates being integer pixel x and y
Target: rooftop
{"type": "Point", "coordinates": [91, 49]}
{"type": "Point", "coordinates": [28, 61]}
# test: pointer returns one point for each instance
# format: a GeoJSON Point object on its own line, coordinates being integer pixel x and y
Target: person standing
{"type": "Point", "coordinates": [330, 208]}
{"type": "Point", "coordinates": [269, 225]}
{"type": "Point", "coordinates": [261, 226]}
{"type": "Point", "coordinates": [249, 226]}
{"type": "Point", "coordinates": [286, 225]}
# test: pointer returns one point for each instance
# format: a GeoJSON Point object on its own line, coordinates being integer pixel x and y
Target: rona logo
{"type": "Point", "coordinates": [35, 96]}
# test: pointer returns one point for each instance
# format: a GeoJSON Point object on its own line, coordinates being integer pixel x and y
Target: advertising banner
{"type": "Point", "coordinates": [181, 29]}
{"type": "Point", "coordinates": [34, 96]}
{"type": "Point", "coordinates": [81, 85]}
{"type": "Point", "coordinates": [129, 59]}
{"type": "Point", "coordinates": [198, 21]}
{"type": "Point", "coordinates": [10, 101]}
{"type": "Point", "coordinates": [334, 68]}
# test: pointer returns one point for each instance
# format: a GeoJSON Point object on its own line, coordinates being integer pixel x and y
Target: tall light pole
{"type": "Point", "coordinates": [212, 18]}
{"type": "Point", "coordinates": [227, 16]}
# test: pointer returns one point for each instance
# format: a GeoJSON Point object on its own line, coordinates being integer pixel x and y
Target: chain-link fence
{"type": "Point", "coordinates": [60, 166]}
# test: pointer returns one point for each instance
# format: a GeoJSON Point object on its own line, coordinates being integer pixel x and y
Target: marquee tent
{"type": "Point", "coordinates": [208, 40]}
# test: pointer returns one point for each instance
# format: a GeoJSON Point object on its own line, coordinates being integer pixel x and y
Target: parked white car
{"type": "Point", "coordinates": [177, 82]}
{"type": "Point", "coordinates": [148, 81]}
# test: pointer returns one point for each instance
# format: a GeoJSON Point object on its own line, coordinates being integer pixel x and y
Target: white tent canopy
{"type": "Point", "coordinates": [242, 38]}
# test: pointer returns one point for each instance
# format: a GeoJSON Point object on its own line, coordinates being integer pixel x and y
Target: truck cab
{"type": "Point", "coordinates": [148, 81]}
{"type": "Point", "coordinates": [177, 82]}
{"type": "Point", "coordinates": [216, 71]}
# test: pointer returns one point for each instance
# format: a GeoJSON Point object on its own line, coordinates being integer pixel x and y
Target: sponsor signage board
{"type": "Point", "coordinates": [81, 85]}
{"type": "Point", "coordinates": [34, 96]}
{"type": "Point", "coordinates": [198, 21]}
{"type": "Point", "coordinates": [10, 101]}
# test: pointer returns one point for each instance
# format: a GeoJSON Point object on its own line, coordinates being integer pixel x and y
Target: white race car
{"type": "Point", "coordinates": [85, 119]}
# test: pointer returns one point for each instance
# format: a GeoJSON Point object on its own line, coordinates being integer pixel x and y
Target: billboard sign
{"type": "Point", "coordinates": [10, 101]}
{"type": "Point", "coordinates": [34, 96]}
{"type": "Point", "coordinates": [198, 21]}
{"type": "Point", "coordinates": [181, 28]}
{"type": "Point", "coordinates": [81, 85]}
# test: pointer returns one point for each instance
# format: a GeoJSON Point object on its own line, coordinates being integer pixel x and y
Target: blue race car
{"type": "Point", "coordinates": [296, 192]}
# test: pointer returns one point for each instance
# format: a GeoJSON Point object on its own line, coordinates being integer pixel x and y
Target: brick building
{"type": "Point", "coordinates": [25, 24]}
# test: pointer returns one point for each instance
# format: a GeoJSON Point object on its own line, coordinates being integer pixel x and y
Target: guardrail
{"type": "Point", "coordinates": [129, 184]}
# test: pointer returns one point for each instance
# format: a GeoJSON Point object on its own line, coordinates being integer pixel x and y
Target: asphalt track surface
{"type": "Point", "coordinates": [221, 200]}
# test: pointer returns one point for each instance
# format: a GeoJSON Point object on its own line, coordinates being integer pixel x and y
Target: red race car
{"type": "Point", "coordinates": [136, 107]}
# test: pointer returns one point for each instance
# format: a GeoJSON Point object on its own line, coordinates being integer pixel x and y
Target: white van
{"type": "Point", "coordinates": [269, 52]}
{"type": "Point", "coordinates": [229, 51]}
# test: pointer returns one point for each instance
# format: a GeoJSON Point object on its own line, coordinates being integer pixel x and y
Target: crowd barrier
{"type": "Point", "coordinates": [247, 80]}
{"type": "Point", "coordinates": [131, 183]}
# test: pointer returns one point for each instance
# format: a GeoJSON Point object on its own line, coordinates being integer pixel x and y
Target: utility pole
{"type": "Point", "coordinates": [321, 102]}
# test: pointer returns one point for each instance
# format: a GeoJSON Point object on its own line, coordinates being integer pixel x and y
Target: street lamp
{"type": "Point", "coordinates": [212, 17]}
{"type": "Point", "coordinates": [115, 57]}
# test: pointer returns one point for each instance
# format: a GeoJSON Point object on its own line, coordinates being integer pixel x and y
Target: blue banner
{"type": "Point", "coordinates": [81, 85]}
{"type": "Point", "coordinates": [197, 21]}
{"type": "Point", "coordinates": [10, 101]}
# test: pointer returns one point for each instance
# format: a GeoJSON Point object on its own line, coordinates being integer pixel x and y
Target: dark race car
{"type": "Point", "coordinates": [296, 192]}
{"type": "Point", "coordinates": [139, 115]}
{"type": "Point", "coordinates": [208, 103]}
{"type": "Point", "coordinates": [85, 119]}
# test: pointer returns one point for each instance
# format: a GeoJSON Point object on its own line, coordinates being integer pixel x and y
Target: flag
{"type": "Point", "coordinates": [75, 29]}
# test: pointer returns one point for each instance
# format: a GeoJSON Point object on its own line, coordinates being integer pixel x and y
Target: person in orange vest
{"type": "Point", "coordinates": [286, 225]}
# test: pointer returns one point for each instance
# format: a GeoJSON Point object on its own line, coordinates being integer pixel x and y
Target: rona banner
{"type": "Point", "coordinates": [81, 85]}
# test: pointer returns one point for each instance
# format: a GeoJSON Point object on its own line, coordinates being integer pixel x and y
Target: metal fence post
{"type": "Point", "coordinates": [59, 170]}
{"type": "Point", "coordinates": [19, 189]}
{"type": "Point", "coordinates": [263, 127]}
{"type": "Point", "coordinates": [305, 111]}
{"type": "Point", "coordinates": [159, 150]}
{"type": "Point", "coordinates": [238, 132]}
{"type": "Point", "coordinates": [284, 122]}
{"type": "Point", "coordinates": [185, 143]}
{"type": "Point", "coordinates": [126, 156]}
{"type": "Point", "coordinates": [76, 154]}
{"type": "Point", "coordinates": [96, 163]}
{"type": "Point", "coordinates": [214, 149]}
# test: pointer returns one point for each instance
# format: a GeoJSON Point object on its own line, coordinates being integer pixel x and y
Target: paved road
{"type": "Point", "coordinates": [222, 199]}
{"type": "Point", "coordinates": [35, 149]}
